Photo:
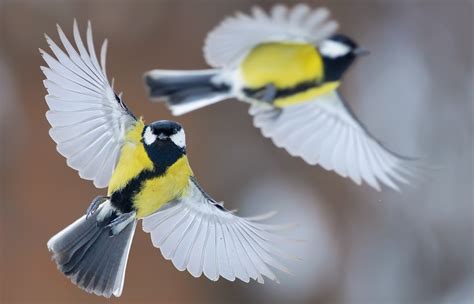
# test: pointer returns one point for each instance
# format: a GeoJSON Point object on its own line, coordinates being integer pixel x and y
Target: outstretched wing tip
{"type": "Point", "coordinates": [298, 22]}
{"type": "Point", "coordinates": [199, 235]}
{"type": "Point", "coordinates": [324, 131]}
{"type": "Point", "coordinates": [86, 121]}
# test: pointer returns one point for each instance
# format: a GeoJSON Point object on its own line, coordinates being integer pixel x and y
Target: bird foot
{"type": "Point", "coordinates": [120, 222]}
{"type": "Point", "coordinates": [96, 202]}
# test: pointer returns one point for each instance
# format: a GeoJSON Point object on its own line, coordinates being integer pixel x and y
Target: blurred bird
{"type": "Point", "coordinates": [287, 64]}
{"type": "Point", "coordinates": [148, 177]}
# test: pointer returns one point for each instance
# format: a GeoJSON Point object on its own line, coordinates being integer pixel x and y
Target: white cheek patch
{"type": "Point", "coordinates": [333, 49]}
{"type": "Point", "coordinates": [148, 136]}
{"type": "Point", "coordinates": [179, 139]}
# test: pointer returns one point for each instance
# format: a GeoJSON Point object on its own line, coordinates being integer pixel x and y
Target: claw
{"type": "Point", "coordinates": [96, 202]}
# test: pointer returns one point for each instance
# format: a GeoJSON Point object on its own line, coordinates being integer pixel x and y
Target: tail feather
{"type": "Point", "coordinates": [90, 257]}
{"type": "Point", "coordinates": [185, 91]}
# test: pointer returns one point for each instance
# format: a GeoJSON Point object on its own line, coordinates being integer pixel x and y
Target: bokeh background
{"type": "Point", "coordinates": [414, 92]}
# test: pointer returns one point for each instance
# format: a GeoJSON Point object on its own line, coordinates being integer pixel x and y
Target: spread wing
{"type": "Point", "coordinates": [88, 120]}
{"type": "Point", "coordinates": [237, 35]}
{"type": "Point", "coordinates": [198, 234]}
{"type": "Point", "coordinates": [325, 132]}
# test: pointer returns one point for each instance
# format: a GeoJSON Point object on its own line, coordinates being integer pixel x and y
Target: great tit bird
{"type": "Point", "coordinates": [148, 177]}
{"type": "Point", "coordinates": [288, 65]}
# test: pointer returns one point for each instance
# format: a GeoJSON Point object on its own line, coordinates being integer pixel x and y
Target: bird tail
{"type": "Point", "coordinates": [186, 91]}
{"type": "Point", "coordinates": [93, 256]}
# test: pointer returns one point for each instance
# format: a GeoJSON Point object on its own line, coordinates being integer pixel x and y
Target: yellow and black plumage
{"type": "Point", "coordinates": [301, 73]}
{"type": "Point", "coordinates": [288, 64]}
{"type": "Point", "coordinates": [148, 176]}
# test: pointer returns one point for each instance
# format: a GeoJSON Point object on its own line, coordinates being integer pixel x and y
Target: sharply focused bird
{"type": "Point", "coordinates": [148, 177]}
{"type": "Point", "coordinates": [288, 65]}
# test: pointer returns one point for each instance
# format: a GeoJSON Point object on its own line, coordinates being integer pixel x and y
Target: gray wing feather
{"type": "Point", "coordinates": [299, 23]}
{"type": "Point", "coordinates": [88, 121]}
{"type": "Point", "coordinates": [198, 234]}
{"type": "Point", "coordinates": [90, 257]}
{"type": "Point", "coordinates": [324, 131]}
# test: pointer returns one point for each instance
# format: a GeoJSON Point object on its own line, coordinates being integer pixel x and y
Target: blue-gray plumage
{"type": "Point", "coordinates": [91, 254]}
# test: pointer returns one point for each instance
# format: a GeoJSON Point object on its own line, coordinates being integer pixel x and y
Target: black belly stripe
{"type": "Point", "coordinates": [163, 158]}
{"type": "Point", "coordinates": [286, 92]}
{"type": "Point", "coordinates": [122, 199]}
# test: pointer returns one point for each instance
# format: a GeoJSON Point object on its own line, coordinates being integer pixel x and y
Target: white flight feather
{"type": "Point", "coordinates": [323, 131]}
{"type": "Point", "coordinates": [197, 235]}
{"type": "Point", "coordinates": [87, 122]}
{"type": "Point", "coordinates": [235, 36]}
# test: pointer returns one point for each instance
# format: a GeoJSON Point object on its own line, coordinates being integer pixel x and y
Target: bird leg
{"type": "Point", "coordinates": [120, 222]}
{"type": "Point", "coordinates": [266, 94]}
{"type": "Point", "coordinates": [96, 202]}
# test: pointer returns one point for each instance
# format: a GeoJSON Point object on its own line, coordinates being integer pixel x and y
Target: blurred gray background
{"type": "Point", "coordinates": [414, 92]}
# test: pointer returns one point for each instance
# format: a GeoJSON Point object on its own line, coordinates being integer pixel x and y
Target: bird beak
{"type": "Point", "coordinates": [162, 136]}
{"type": "Point", "coordinates": [361, 52]}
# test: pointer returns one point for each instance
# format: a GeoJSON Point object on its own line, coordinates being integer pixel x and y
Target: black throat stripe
{"type": "Point", "coordinates": [162, 160]}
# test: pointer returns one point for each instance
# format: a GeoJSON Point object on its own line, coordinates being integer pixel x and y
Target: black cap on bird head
{"type": "Point", "coordinates": [164, 141]}
{"type": "Point", "coordinates": [338, 53]}
{"type": "Point", "coordinates": [162, 132]}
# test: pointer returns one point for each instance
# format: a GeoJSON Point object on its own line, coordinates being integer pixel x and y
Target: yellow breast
{"type": "Point", "coordinates": [154, 192]}
{"type": "Point", "coordinates": [132, 160]}
{"type": "Point", "coordinates": [286, 65]}
{"type": "Point", "coordinates": [283, 64]}
{"type": "Point", "coordinates": [158, 191]}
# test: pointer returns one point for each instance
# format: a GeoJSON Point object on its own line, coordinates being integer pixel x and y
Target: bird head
{"type": "Point", "coordinates": [338, 53]}
{"type": "Point", "coordinates": [164, 141]}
